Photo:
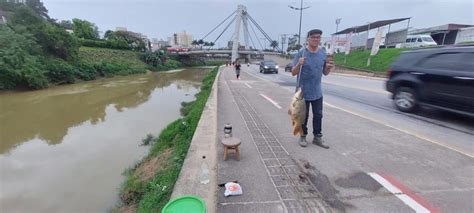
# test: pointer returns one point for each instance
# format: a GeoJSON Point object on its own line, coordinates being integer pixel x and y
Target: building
{"type": "Point", "coordinates": [3, 16]}
{"type": "Point", "coordinates": [444, 34]}
{"type": "Point", "coordinates": [157, 44]}
{"type": "Point", "coordinates": [121, 29]}
{"type": "Point", "coordinates": [184, 39]}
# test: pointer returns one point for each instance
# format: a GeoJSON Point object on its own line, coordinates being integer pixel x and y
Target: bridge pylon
{"type": "Point", "coordinates": [240, 17]}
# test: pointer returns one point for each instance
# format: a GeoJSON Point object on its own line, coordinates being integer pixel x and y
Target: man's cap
{"type": "Point", "coordinates": [314, 31]}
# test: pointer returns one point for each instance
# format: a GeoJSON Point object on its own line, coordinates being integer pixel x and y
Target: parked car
{"type": "Point", "coordinates": [267, 66]}
{"type": "Point", "coordinates": [288, 67]}
{"type": "Point", "coordinates": [414, 41]}
{"type": "Point", "coordinates": [438, 77]}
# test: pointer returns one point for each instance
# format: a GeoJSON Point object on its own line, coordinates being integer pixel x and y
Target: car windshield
{"type": "Point", "coordinates": [269, 63]}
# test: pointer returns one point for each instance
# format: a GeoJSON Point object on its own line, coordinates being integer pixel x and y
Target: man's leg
{"type": "Point", "coordinates": [317, 122]}
{"type": "Point", "coordinates": [302, 141]}
{"type": "Point", "coordinates": [317, 108]}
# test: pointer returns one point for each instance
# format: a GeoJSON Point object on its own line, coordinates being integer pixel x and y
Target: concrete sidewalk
{"type": "Point", "coordinates": [271, 179]}
{"type": "Point", "coordinates": [277, 175]}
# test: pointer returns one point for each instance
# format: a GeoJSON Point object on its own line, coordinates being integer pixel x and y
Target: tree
{"type": "Point", "coordinates": [39, 8]}
{"type": "Point", "coordinates": [85, 29]}
{"type": "Point", "coordinates": [66, 24]}
{"type": "Point", "coordinates": [134, 40]}
{"type": "Point", "coordinates": [20, 63]}
{"type": "Point", "coordinates": [293, 43]}
{"type": "Point", "coordinates": [274, 44]}
{"type": "Point", "coordinates": [53, 39]}
{"type": "Point", "coordinates": [195, 43]}
{"type": "Point", "coordinates": [56, 41]}
{"type": "Point", "coordinates": [200, 42]}
{"type": "Point", "coordinates": [109, 35]}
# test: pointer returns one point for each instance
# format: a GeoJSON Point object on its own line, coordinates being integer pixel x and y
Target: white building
{"type": "Point", "coordinates": [124, 29]}
{"type": "Point", "coordinates": [181, 39]}
{"type": "Point", "coordinates": [157, 44]}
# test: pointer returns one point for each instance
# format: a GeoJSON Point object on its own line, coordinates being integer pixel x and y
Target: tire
{"type": "Point", "coordinates": [405, 99]}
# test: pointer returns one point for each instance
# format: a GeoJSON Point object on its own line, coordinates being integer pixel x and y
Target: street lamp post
{"type": "Point", "coordinates": [338, 20]}
{"type": "Point", "coordinates": [301, 8]}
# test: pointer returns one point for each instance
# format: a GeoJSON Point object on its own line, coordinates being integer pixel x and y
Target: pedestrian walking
{"type": "Point", "coordinates": [237, 69]}
{"type": "Point", "coordinates": [310, 63]}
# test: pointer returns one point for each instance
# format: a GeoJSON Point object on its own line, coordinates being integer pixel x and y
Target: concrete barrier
{"type": "Point", "coordinates": [202, 157]}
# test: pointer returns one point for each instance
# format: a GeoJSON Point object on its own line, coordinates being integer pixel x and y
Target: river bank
{"type": "Point", "coordinates": [72, 142]}
{"type": "Point", "coordinates": [150, 182]}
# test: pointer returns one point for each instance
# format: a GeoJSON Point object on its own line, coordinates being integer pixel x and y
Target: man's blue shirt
{"type": "Point", "coordinates": [311, 73]}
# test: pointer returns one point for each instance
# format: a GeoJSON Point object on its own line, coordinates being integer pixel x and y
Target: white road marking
{"type": "Point", "coordinates": [271, 101]}
{"type": "Point", "coordinates": [402, 130]}
{"type": "Point", "coordinates": [398, 193]}
{"type": "Point", "coordinates": [248, 85]}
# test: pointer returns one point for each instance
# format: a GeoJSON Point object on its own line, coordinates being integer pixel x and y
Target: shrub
{"type": "Point", "coordinates": [86, 71]}
{"type": "Point", "coordinates": [59, 72]}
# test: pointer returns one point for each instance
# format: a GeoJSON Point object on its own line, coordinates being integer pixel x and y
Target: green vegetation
{"type": "Point", "coordinates": [379, 62]}
{"type": "Point", "coordinates": [37, 51]}
{"type": "Point", "coordinates": [110, 62]}
{"type": "Point", "coordinates": [85, 29]}
{"type": "Point", "coordinates": [149, 193]}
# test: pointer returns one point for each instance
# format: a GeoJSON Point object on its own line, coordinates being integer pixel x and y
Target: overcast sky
{"type": "Point", "coordinates": [162, 18]}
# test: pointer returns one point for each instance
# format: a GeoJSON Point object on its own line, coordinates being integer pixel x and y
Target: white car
{"type": "Point", "coordinates": [414, 41]}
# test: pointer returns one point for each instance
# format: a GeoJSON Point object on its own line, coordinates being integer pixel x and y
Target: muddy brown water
{"type": "Point", "coordinates": [64, 149]}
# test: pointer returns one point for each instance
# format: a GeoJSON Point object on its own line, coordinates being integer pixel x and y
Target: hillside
{"type": "Point", "coordinates": [379, 62]}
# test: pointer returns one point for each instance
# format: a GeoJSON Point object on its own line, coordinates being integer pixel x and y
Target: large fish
{"type": "Point", "coordinates": [297, 112]}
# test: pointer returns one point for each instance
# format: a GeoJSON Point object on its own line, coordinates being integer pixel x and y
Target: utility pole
{"type": "Point", "coordinates": [283, 40]}
{"type": "Point", "coordinates": [301, 8]}
{"type": "Point", "coordinates": [338, 20]}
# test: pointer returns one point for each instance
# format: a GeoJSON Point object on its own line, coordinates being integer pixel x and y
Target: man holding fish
{"type": "Point", "coordinates": [310, 63]}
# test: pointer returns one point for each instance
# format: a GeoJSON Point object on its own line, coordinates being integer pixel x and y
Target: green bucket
{"type": "Point", "coordinates": [187, 204]}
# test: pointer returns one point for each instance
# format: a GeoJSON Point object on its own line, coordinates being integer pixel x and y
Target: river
{"type": "Point", "coordinates": [64, 149]}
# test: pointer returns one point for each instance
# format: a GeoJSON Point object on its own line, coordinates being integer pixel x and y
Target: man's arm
{"type": "Point", "coordinates": [296, 69]}
{"type": "Point", "coordinates": [329, 67]}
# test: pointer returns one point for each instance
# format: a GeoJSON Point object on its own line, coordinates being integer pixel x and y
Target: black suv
{"type": "Point", "coordinates": [268, 66]}
{"type": "Point", "coordinates": [438, 77]}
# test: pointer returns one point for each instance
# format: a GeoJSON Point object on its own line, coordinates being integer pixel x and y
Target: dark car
{"type": "Point", "coordinates": [288, 67]}
{"type": "Point", "coordinates": [438, 77]}
{"type": "Point", "coordinates": [268, 66]}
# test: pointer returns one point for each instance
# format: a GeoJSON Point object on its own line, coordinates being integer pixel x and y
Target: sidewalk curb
{"type": "Point", "coordinates": [203, 144]}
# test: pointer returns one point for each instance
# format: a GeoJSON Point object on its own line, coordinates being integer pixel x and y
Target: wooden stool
{"type": "Point", "coordinates": [231, 143]}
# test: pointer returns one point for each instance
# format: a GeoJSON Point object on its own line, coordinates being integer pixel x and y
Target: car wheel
{"type": "Point", "coordinates": [405, 99]}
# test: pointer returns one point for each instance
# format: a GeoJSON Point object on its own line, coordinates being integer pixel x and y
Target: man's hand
{"type": "Point", "coordinates": [329, 65]}
{"type": "Point", "coordinates": [301, 61]}
{"type": "Point", "coordinates": [296, 69]}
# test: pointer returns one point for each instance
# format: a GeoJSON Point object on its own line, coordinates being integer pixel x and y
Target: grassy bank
{"type": "Point", "coordinates": [379, 62]}
{"type": "Point", "coordinates": [149, 184]}
{"type": "Point", "coordinates": [95, 55]}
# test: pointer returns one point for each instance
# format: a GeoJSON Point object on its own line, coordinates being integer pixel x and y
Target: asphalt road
{"type": "Point", "coordinates": [368, 97]}
{"type": "Point", "coordinates": [380, 160]}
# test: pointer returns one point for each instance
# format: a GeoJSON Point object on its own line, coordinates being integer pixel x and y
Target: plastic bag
{"type": "Point", "coordinates": [232, 188]}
